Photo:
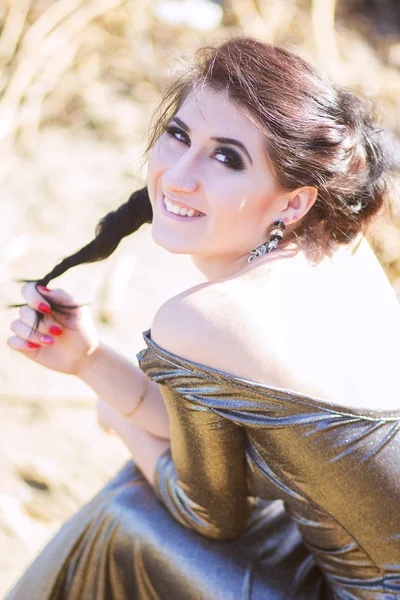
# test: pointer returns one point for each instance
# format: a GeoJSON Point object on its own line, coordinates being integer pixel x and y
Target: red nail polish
{"type": "Point", "coordinates": [44, 308]}
{"type": "Point", "coordinates": [43, 289]}
{"type": "Point", "coordinates": [55, 330]}
{"type": "Point", "coordinates": [33, 345]}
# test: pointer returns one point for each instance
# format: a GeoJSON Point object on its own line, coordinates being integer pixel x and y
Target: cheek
{"type": "Point", "coordinates": [236, 201]}
{"type": "Point", "coordinates": [154, 169]}
{"type": "Point", "coordinates": [155, 156]}
{"type": "Point", "coordinates": [160, 160]}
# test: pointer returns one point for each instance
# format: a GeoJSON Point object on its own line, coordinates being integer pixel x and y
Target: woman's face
{"type": "Point", "coordinates": [228, 181]}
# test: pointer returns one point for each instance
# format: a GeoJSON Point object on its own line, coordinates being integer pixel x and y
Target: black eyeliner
{"type": "Point", "coordinates": [236, 164]}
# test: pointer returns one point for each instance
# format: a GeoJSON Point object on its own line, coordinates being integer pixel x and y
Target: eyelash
{"type": "Point", "coordinates": [236, 162]}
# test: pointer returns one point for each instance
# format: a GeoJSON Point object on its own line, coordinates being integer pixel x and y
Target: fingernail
{"type": "Point", "coordinates": [44, 308]}
{"type": "Point", "coordinates": [55, 330]}
{"type": "Point", "coordinates": [33, 345]}
{"type": "Point", "coordinates": [43, 289]}
{"type": "Point", "coordinates": [46, 339]}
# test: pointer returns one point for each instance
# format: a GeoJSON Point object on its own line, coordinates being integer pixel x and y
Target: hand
{"type": "Point", "coordinates": [106, 416]}
{"type": "Point", "coordinates": [65, 349]}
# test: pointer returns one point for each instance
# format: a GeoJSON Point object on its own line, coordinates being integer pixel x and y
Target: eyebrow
{"type": "Point", "coordinates": [221, 140]}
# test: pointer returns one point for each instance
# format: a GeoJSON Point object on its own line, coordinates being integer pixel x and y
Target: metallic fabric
{"type": "Point", "coordinates": [265, 494]}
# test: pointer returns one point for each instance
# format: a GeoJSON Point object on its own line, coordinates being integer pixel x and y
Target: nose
{"type": "Point", "coordinates": [181, 175]}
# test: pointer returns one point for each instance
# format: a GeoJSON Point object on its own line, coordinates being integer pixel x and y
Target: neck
{"type": "Point", "coordinates": [217, 268]}
{"type": "Point", "coordinates": [223, 267]}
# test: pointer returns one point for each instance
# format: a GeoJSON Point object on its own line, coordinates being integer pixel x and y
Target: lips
{"type": "Point", "coordinates": [181, 204]}
{"type": "Point", "coordinates": [179, 218]}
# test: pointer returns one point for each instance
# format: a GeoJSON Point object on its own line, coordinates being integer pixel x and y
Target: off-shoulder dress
{"type": "Point", "coordinates": [265, 494]}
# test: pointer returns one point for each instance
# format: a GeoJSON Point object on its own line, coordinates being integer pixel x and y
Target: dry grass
{"type": "Point", "coordinates": [96, 67]}
{"type": "Point", "coordinates": [78, 83]}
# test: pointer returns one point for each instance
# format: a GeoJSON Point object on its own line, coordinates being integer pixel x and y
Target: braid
{"type": "Point", "coordinates": [110, 230]}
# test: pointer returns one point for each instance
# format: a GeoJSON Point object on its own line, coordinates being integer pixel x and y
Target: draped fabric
{"type": "Point", "coordinates": [264, 494]}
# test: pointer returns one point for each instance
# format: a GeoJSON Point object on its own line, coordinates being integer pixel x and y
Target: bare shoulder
{"type": "Point", "coordinates": [217, 325]}
{"type": "Point", "coordinates": [181, 320]}
{"type": "Point", "coordinates": [287, 330]}
{"type": "Point", "coordinates": [190, 324]}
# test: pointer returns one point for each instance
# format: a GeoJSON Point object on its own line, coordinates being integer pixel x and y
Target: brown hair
{"type": "Point", "coordinates": [316, 135]}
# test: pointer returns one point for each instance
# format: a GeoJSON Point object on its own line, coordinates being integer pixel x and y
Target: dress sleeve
{"type": "Point", "coordinates": [201, 478]}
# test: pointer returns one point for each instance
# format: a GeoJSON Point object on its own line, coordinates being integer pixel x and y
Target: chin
{"type": "Point", "coordinates": [171, 243]}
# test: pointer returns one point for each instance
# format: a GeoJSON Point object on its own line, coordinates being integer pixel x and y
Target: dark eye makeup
{"type": "Point", "coordinates": [234, 162]}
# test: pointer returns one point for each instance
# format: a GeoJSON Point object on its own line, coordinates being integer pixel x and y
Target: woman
{"type": "Point", "coordinates": [263, 421]}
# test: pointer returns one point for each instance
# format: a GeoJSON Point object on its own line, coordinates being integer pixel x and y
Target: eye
{"type": "Point", "coordinates": [174, 131]}
{"type": "Point", "coordinates": [234, 160]}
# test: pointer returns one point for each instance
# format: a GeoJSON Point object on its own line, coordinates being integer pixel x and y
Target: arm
{"type": "Point", "coordinates": [144, 448]}
{"type": "Point", "coordinates": [120, 383]}
{"type": "Point", "coordinates": [201, 479]}
{"type": "Point", "coordinates": [204, 487]}
{"type": "Point", "coordinates": [77, 352]}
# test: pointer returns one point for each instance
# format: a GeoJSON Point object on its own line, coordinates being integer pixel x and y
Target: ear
{"type": "Point", "coordinates": [299, 202]}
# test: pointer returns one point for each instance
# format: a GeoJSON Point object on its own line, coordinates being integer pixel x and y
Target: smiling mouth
{"type": "Point", "coordinates": [180, 211]}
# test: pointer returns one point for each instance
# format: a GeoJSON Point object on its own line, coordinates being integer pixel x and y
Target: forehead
{"type": "Point", "coordinates": [214, 114]}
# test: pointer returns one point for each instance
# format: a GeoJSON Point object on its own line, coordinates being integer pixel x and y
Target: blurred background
{"type": "Point", "coordinates": [79, 81]}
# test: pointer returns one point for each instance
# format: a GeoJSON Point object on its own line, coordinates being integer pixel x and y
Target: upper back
{"type": "Point", "coordinates": [329, 332]}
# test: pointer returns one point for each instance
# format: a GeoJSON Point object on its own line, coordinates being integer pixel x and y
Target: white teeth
{"type": "Point", "coordinates": [178, 210]}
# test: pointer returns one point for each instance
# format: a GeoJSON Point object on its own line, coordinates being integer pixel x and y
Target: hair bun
{"type": "Point", "coordinates": [359, 116]}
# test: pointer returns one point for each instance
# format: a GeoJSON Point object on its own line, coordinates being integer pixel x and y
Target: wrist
{"type": "Point", "coordinates": [88, 362]}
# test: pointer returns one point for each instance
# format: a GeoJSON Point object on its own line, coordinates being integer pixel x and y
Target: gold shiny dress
{"type": "Point", "coordinates": [268, 495]}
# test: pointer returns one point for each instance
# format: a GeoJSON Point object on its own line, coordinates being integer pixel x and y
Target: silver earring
{"type": "Point", "coordinates": [275, 236]}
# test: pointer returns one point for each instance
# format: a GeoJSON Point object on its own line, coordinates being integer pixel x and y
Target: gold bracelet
{"type": "Point", "coordinates": [142, 397]}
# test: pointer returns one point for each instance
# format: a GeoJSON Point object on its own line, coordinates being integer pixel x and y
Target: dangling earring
{"type": "Point", "coordinates": [275, 236]}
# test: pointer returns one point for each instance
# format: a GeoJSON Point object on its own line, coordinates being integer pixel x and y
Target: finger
{"type": "Point", "coordinates": [28, 316]}
{"type": "Point", "coordinates": [24, 332]}
{"type": "Point", "coordinates": [105, 426]}
{"type": "Point", "coordinates": [34, 299]}
{"type": "Point", "coordinates": [106, 415]}
{"type": "Point", "coordinates": [16, 343]}
{"type": "Point", "coordinates": [58, 295]}
{"type": "Point", "coordinates": [110, 431]}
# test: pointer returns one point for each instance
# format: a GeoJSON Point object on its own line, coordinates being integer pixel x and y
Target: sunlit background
{"type": "Point", "coordinates": [79, 81]}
